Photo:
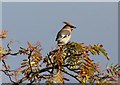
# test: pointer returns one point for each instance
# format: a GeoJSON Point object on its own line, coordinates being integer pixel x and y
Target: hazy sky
{"type": "Point", "coordinates": [60, 0]}
{"type": "Point", "coordinates": [95, 22]}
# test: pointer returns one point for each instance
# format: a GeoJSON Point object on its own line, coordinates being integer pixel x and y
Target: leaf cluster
{"type": "Point", "coordinates": [72, 59]}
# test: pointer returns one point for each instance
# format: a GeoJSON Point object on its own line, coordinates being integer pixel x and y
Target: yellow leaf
{"type": "Point", "coordinates": [58, 73]}
{"type": "Point", "coordinates": [30, 46]}
{"type": "Point", "coordinates": [2, 51]}
{"type": "Point", "coordinates": [32, 63]}
{"type": "Point", "coordinates": [58, 78]}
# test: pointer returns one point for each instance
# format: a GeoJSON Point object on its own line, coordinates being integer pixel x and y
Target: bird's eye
{"type": "Point", "coordinates": [73, 27]}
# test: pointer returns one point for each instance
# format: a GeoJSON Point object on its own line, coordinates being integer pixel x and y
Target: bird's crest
{"type": "Point", "coordinates": [67, 23]}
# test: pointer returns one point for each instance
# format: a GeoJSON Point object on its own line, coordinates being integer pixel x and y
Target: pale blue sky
{"type": "Point", "coordinates": [60, 0]}
{"type": "Point", "coordinates": [96, 23]}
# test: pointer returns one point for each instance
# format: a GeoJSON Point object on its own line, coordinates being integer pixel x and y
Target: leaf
{"type": "Point", "coordinates": [32, 63]}
{"type": "Point", "coordinates": [58, 78]}
{"type": "Point", "coordinates": [93, 51]}
{"type": "Point", "coordinates": [30, 46]}
{"type": "Point", "coordinates": [104, 53]}
{"type": "Point", "coordinates": [107, 66]}
{"type": "Point", "coordinates": [88, 60]}
{"type": "Point", "coordinates": [3, 34]}
{"type": "Point", "coordinates": [2, 52]}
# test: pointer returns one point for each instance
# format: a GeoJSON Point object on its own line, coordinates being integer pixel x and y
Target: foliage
{"type": "Point", "coordinates": [72, 59]}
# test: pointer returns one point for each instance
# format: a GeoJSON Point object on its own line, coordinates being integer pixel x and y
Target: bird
{"type": "Point", "coordinates": [64, 35]}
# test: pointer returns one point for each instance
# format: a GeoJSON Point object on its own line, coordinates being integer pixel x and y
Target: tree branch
{"type": "Point", "coordinates": [71, 75]}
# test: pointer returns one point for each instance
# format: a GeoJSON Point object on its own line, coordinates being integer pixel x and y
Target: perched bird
{"type": "Point", "coordinates": [64, 34]}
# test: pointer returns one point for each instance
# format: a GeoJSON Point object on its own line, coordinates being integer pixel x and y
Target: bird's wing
{"type": "Point", "coordinates": [62, 34]}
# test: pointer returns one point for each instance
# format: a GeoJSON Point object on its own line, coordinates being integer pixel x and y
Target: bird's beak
{"type": "Point", "coordinates": [74, 27]}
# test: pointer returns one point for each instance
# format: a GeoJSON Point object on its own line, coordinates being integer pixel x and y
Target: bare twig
{"type": "Point", "coordinates": [71, 75]}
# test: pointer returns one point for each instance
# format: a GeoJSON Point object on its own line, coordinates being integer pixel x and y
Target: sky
{"type": "Point", "coordinates": [96, 22]}
{"type": "Point", "coordinates": [60, 0]}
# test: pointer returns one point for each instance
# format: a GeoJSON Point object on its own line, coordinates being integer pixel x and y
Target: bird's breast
{"type": "Point", "coordinates": [66, 39]}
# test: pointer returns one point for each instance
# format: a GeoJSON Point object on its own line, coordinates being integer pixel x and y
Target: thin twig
{"type": "Point", "coordinates": [71, 75]}
{"type": "Point", "coordinates": [7, 71]}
